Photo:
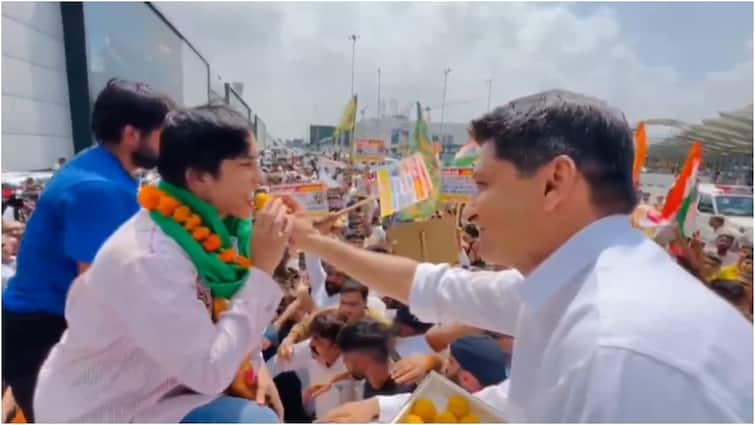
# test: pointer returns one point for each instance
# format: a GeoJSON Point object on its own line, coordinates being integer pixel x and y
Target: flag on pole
{"type": "Point", "coordinates": [347, 119]}
{"type": "Point", "coordinates": [680, 202]}
{"type": "Point", "coordinates": [467, 155]}
{"type": "Point", "coordinates": [421, 144]}
{"type": "Point", "coordinates": [640, 151]}
{"type": "Point", "coordinates": [681, 199]}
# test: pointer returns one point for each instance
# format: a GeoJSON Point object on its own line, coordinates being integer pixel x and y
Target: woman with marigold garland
{"type": "Point", "coordinates": [167, 324]}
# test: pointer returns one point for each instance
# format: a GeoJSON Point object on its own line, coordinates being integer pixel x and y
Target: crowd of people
{"type": "Point", "coordinates": [160, 303]}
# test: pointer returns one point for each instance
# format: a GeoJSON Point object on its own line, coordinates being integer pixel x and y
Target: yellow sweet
{"type": "Point", "coordinates": [425, 409]}
{"type": "Point", "coordinates": [458, 405]}
{"type": "Point", "coordinates": [446, 418]}
{"type": "Point", "coordinates": [413, 419]}
{"type": "Point", "coordinates": [470, 419]}
{"type": "Point", "coordinates": [260, 200]}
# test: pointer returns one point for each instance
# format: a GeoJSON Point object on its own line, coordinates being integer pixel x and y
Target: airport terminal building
{"type": "Point", "coordinates": [58, 56]}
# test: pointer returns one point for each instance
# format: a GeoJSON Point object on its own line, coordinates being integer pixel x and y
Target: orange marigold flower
{"type": "Point", "coordinates": [149, 197]}
{"type": "Point", "coordinates": [212, 243]}
{"type": "Point", "coordinates": [227, 256]}
{"type": "Point", "coordinates": [192, 222]}
{"type": "Point", "coordinates": [200, 233]}
{"type": "Point", "coordinates": [167, 205]}
{"type": "Point", "coordinates": [181, 214]}
{"type": "Point", "coordinates": [243, 262]}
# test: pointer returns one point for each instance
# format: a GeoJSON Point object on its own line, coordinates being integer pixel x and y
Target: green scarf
{"type": "Point", "coordinates": [223, 280]}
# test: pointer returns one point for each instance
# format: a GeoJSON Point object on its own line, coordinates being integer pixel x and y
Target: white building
{"type": "Point", "coordinates": [58, 56]}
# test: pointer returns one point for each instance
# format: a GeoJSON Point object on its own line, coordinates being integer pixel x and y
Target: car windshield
{"type": "Point", "coordinates": [736, 206]}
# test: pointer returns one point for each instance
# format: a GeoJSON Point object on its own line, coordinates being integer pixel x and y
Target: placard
{"type": "Point", "coordinates": [369, 150]}
{"type": "Point", "coordinates": [457, 185]}
{"type": "Point", "coordinates": [403, 184]}
{"type": "Point", "coordinates": [312, 196]}
{"type": "Point", "coordinates": [433, 241]}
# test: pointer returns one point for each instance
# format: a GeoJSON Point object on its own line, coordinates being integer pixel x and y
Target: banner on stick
{"type": "Point", "coordinates": [313, 196]}
{"type": "Point", "coordinates": [369, 150]}
{"type": "Point", "coordinates": [457, 185]}
{"type": "Point", "coordinates": [403, 184]}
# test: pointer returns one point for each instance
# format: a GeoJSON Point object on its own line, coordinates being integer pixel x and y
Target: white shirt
{"type": "Point", "coordinates": [141, 345]}
{"type": "Point", "coordinates": [320, 296]}
{"type": "Point", "coordinates": [412, 346]}
{"type": "Point", "coordinates": [608, 329]}
{"type": "Point", "coordinates": [9, 270]}
{"type": "Point", "coordinates": [729, 259]}
{"type": "Point", "coordinates": [317, 374]}
{"type": "Point", "coordinates": [708, 234]}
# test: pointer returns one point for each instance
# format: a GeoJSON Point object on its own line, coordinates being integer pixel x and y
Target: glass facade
{"type": "Point", "coordinates": [236, 102]}
{"type": "Point", "coordinates": [130, 41]}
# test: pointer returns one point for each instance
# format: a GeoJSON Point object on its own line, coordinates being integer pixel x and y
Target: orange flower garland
{"type": "Point", "coordinates": [153, 199]}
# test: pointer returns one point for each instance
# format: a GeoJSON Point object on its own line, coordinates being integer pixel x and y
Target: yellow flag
{"type": "Point", "coordinates": [348, 117]}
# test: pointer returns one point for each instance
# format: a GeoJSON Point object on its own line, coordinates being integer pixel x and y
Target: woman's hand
{"type": "Point", "coordinates": [272, 230]}
{"type": "Point", "coordinates": [267, 393]}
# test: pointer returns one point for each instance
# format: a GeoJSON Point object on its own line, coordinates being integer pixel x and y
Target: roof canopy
{"type": "Point", "coordinates": [728, 134]}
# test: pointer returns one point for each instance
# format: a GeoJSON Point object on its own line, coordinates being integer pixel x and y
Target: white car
{"type": "Point", "coordinates": [734, 203]}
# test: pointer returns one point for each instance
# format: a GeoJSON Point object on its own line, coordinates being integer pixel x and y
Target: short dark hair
{"type": "Point", "coordinates": [367, 335]}
{"type": "Point", "coordinates": [351, 285]}
{"type": "Point", "coordinates": [532, 130]}
{"type": "Point", "coordinates": [201, 138]}
{"type": "Point", "coordinates": [123, 103]}
{"type": "Point", "coordinates": [327, 324]}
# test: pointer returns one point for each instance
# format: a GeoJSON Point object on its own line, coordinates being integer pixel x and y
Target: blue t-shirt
{"type": "Point", "coordinates": [86, 201]}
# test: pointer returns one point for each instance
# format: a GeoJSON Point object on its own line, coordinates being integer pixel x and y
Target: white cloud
{"type": "Point", "coordinates": [295, 58]}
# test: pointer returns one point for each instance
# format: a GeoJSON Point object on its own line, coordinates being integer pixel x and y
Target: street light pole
{"type": "Point", "coordinates": [378, 96]}
{"type": "Point", "coordinates": [353, 39]}
{"type": "Point", "coordinates": [490, 90]}
{"type": "Point", "coordinates": [443, 105]}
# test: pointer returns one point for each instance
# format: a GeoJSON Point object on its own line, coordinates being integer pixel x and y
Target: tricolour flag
{"type": "Point", "coordinates": [680, 201]}
{"type": "Point", "coordinates": [467, 155]}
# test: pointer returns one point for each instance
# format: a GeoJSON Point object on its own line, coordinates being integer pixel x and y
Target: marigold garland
{"type": "Point", "coordinates": [153, 199]}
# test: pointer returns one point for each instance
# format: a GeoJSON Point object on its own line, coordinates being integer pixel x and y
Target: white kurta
{"type": "Point", "coordinates": [140, 344]}
{"type": "Point", "coordinates": [608, 329]}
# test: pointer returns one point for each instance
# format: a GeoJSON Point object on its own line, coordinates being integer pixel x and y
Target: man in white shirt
{"type": "Point", "coordinates": [326, 281]}
{"type": "Point", "coordinates": [608, 327]}
{"type": "Point", "coordinates": [723, 249]}
{"type": "Point", "coordinates": [715, 227]}
{"type": "Point", "coordinates": [320, 360]}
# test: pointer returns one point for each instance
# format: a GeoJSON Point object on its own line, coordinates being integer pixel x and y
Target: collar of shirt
{"type": "Point", "coordinates": [114, 164]}
{"type": "Point", "coordinates": [571, 258]}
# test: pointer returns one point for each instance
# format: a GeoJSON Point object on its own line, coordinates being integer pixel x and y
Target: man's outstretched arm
{"type": "Point", "coordinates": [390, 275]}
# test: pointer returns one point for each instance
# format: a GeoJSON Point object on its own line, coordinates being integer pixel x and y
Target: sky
{"type": "Point", "coordinates": [684, 61]}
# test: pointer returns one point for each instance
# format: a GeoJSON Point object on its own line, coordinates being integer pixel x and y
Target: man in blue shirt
{"type": "Point", "coordinates": [86, 201]}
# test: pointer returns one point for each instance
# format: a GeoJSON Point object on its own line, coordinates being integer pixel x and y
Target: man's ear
{"type": "Point", "coordinates": [130, 137]}
{"type": "Point", "coordinates": [469, 382]}
{"type": "Point", "coordinates": [559, 177]}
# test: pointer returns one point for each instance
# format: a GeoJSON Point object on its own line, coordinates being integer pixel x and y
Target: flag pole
{"type": "Point", "coordinates": [353, 130]}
